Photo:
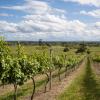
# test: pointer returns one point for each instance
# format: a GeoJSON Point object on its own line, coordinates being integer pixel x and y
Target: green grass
{"type": "Point", "coordinates": [31, 49]}
{"type": "Point", "coordinates": [84, 87]}
{"type": "Point", "coordinates": [95, 49]}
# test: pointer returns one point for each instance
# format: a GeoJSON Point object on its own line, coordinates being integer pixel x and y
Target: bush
{"type": "Point", "coordinates": [66, 49]}
{"type": "Point", "coordinates": [81, 49]}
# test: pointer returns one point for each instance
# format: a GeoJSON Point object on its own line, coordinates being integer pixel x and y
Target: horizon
{"type": "Point", "coordinates": [50, 20]}
{"type": "Point", "coordinates": [55, 41]}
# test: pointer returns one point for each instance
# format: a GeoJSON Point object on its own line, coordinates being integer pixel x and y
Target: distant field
{"type": "Point", "coordinates": [29, 49]}
{"type": "Point", "coordinates": [96, 49]}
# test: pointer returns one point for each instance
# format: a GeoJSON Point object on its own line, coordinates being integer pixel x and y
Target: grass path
{"type": "Point", "coordinates": [84, 87]}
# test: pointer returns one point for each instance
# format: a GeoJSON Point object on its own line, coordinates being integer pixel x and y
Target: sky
{"type": "Point", "coordinates": [50, 20]}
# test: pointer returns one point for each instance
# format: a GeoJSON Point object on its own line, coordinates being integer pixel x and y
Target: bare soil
{"type": "Point", "coordinates": [8, 88]}
{"type": "Point", "coordinates": [96, 67]}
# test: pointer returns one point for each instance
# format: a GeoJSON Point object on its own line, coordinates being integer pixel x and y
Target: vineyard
{"type": "Point", "coordinates": [22, 75]}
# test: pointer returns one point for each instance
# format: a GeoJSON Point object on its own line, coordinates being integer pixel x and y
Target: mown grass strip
{"type": "Point", "coordinates": [84, 87]}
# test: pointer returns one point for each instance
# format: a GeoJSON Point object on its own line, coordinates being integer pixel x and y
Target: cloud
{"type": "Point", "coordinates": [94, 13]}
{"type": "Point", "coordinates": [51, 28]}
{"type": "Point", "coordinates": [6, 15]}
{"type": "Point", "coordinates": [86, 2]}
{"type": "Point", "coordinates": [8, 27]}
{"type": "Point", "coordinates": [97, 25]}
{"type": "Point", "coordinates": [34, 7]}
{"type": "Point", "coordinates": [45, 23]}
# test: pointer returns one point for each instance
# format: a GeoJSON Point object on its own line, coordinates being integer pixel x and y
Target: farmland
{"type": "Point", "coordinates": [41, 72]}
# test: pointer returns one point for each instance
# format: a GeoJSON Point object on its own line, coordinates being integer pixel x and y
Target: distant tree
{"type": "Point", "coordinates": [88, 51]}
{"type": "Point", "coordinates": [82, 48]}
{"type": "Point", "coordinates": [40, 42]}
{"type": "Point", "coordinates": [48, 44]}
{"type": "Point", "coordinates": [65, 49]}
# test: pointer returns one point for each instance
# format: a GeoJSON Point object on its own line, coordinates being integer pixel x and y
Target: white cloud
{"type": "Point", "coordinates": [8, 27]}
{"type": "Point", "coordinates": [94, 13]}
{"type": "Point", "coordinates": [86, 2]}
{"type": "Point", "coordinates": [50, 27]}
{"type": "Point", "coordinates": [56, 28]}
{"type": "Point", "coordinates": [6, 15]}
{"type": "Point", "coordinates": [77, 26]}
{"type": "Point", "coordinates": [35, 7]}
{"type": "Point", "coordinates": [46, 23]}
{"type": "Point", "coordinates": [97, 25]}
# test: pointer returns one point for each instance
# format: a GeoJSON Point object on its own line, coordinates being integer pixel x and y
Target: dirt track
{"type": "Point", "coordinates": [96, 67]}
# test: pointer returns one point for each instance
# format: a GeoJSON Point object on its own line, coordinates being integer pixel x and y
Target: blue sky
{"type": "Point", "coordinates": [50, 20]}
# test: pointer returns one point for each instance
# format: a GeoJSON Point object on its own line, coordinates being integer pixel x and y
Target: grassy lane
{"type": "Point", "coordinates": [84, 87]}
